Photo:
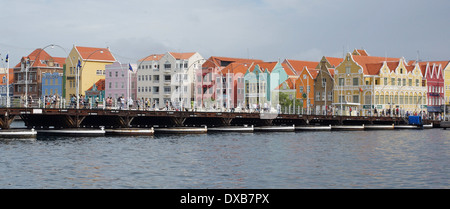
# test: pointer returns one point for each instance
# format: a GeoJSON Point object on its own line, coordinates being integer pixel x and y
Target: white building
{"type": "Point", "coordinates": [167, 79]}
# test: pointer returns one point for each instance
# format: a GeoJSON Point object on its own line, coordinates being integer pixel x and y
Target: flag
{"type": "Point", "coordinates": [130, 68]}
{"type": "Point", "coordinates": [79, 64]}
{"type": "Point", "coordinates": [360, 89]}
{"type": "Point", "coordinates": [6, 57]}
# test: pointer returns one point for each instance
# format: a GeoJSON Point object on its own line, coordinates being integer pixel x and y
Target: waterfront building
{"type": "Point", "coordinates": [167, 80]}
{"type": "Point", "coordinates": [261, 80]}
{"type": "Point", "coordinates": [92, 62]}
{"type": "Point", "coordinates": [446, 69]}
{"type": "Point", "coordinates": [324, 84]}
{"type": "Point", "coordinates": [4, 85]}
{"type": "Point", "coordinates": [120, 81]}
{"type": "Point", "coordinates": [28, 75]}
{"type": "Point", "coordinates": [220, 82]}
{"type": "Point", "coordinates": [95, 93]}
{"type": "Point", "coordinates": [285, 93]}
{"type": "Point", "coordinates": [366, 84]}
{"type": "Point", "coordinates": [51, 84]}
{"type": "Point", "coordinates": [433, 73]}
{"type": "Point", "coordinates": [304, 83]}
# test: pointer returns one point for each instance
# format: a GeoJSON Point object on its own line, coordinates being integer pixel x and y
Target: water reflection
{"type": "Point", "coordinates": [361, 159]}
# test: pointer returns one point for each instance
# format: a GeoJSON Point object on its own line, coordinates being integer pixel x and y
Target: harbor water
{"type": "Point", "coordinates": [284, 160]}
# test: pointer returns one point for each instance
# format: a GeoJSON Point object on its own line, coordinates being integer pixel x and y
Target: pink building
{"type": "Point", "coordinates": [219, 83]}
{"type": "Point", "coordinates": [433, 72]}
{"type": "Point", "coordinates": [117, 78]}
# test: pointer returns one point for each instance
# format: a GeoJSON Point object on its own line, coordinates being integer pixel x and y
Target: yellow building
{"type": "Point", "coordinates": [366, 84]}
{"type": "Point", "coordinates": [92, 62]}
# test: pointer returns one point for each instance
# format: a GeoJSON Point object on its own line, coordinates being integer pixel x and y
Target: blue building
{"type": "Point", "coordinates": [51, 84]}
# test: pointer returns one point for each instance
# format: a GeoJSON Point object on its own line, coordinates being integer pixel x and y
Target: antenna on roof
{"type": "Point", "coordinates": [418, 56]}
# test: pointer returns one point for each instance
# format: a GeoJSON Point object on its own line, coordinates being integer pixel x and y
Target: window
{"type": "Point", "coordinates": [355, 81]}
{"type": "Point", "coordinates": [385, 81]}
{"type": "Point", "coordinates": [417, 82]}
{"type": "Point", "coordinates": [393, 81]}
{"type": "Point", "coordinates": [167, 66]}
{"type": "Point", "coordinates": [399, 82]}
{"type": "Point", "coordinates": [404, 82]}
{"type": "Point", "coordinates": [117, 74]}
{"type": "Point", "coordinates": [410, 82]}
{"type": "Point", "coordinates": [167, 78]}
{"type": "Point", "coordinates": [99, 72]}
{"type": "Point", "coordinates": [341, 82]}
{"type": "Point", "coordinates": [356, 98]}
{"type": "Point", "coordinates": [324, 82]}
{"type": "Point", "coordinates": [167, 89]}
{"type": "Point", "coordinates": [156, 89]}
{"type": "Point", "coordinates": [347, 70]}
{"type": "Point", "coordinates": [317, 96]}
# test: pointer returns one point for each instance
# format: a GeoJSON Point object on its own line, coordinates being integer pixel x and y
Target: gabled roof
{"type": "Point", "coordinates": [334, 61]}
{"type": "Point", "coordinates": [311, 72]}
{"type": "Point", "coordinates": [367, 62]}
{"type": "Point", "coordinates": [215, 61]}
{"type": "Point", "coordinates": [298, 65]}
{"type": "Point", "coordinates": [43, 59]}
{"type": "Point", "coordinates": [236, 68]}
{"type": "Point", "coordinates": [361, 52]}
{"type": "Point", "coordinates": [95, 54]}
{"type": "Point", "coordinates": [100, 84]}
{"type": "Point", "coordinates": [152, 57]}
{"type": "Point", "coordinates": [3, 74]}
{"type": "Point", "coordinates": [182, 56]}
{"type": "Point", "coordinates": [290, 82]}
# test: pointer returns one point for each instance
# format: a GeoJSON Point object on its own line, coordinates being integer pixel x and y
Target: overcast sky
{"type": "Point", "coordinates": [262, 29]}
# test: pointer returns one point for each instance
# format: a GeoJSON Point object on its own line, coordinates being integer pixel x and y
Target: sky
{"type": "Point", "coordinates": [270, 30]}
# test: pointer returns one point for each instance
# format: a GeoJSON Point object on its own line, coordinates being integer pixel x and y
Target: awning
{"type": "Point", "coordinates": [434, 109]}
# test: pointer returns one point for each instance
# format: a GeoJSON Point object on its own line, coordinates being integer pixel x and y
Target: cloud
{"type": "Point", "coordinates": [263, 29]}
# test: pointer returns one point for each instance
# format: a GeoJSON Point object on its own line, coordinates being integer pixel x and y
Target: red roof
{"type": "Point", "coordinates": [98, 54]}
{"type": "Point", "coordinates": [152, 57]}
{"type": "Point", "coordinates": [367, 63]}
{"type": "Point", "coordinates": [43, 59]}
{"type": "Point", "coordinates": [334, 61]}
{"type": "Point", "coordinates": [182, 56]}
{"type": "Point", "coordinates": [225, 61]}
{"type": "Point", "coordinates": [298, 65]}
{"type": "Point", "coordinates": [100, 85]}
{"type": "Point", "coordinates": [11, 76]}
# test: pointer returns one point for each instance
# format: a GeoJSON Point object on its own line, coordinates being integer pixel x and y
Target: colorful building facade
{"type": "Point", "coordinates": [28, 75]}
{"type": "Point", "coordinates": [51, 84]}
{"type": "Point", "coordinates": [120, 81]}
{"type": "Point", "coordinates": [91, 63]}
{"type": "Point", "coordinates": [365, 85]}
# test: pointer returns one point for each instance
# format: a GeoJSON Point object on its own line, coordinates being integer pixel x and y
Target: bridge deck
{"type": "Point", "coordinates": [75, 118]}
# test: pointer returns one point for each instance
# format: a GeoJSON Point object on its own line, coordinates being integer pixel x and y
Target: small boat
{"type": "Point", "coordinates": [181, 130]}
{"type": "Point", "coordinates": [275, 128]}
{"type": "Point", "coordinates": [233, 129]}
{"type": "Point", "coordinates": [428, 126]}
{"type": "Point", "coordinates": [18, 133]}
{"type": "Point", "coordinates": [73, 132]}
{"type": "Point", "coordinates": [347, 128]}
{"type": "Point", "coordinates": [313, 128]}
{"type": "Point", "coordinates": [378, 127]}
{"type": "Point", "coordinates": [131, 131]}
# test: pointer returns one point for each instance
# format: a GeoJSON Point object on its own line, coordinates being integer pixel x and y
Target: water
{"type": "Point", "coordinates": [301, 160]}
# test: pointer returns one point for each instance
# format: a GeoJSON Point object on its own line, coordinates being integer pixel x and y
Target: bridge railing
{"type": "Point", "coordinates": [61, 103]}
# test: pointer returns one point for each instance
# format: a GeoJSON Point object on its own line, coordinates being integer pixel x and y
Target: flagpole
{"type": "Point", "coordinates": [128, 87]}
{"type": "Point", "coordinates": [7, 82]}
